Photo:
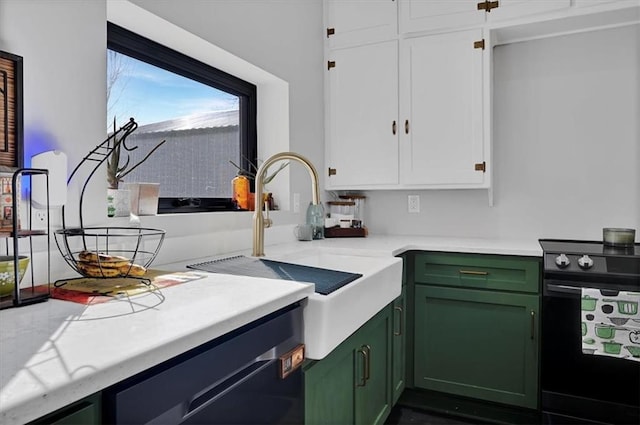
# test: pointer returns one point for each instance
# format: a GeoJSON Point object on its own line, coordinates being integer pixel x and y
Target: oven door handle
{"type": "Point", "coordinates": [565, 289]}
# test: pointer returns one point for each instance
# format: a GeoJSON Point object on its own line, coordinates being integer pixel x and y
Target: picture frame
{"type": "Point", "coordinates": [11, 111]}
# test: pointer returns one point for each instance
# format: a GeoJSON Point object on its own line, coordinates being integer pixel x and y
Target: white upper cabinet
{"type": "Point", "coordinates": [350, 22]}
{"type": "Point", "coordinates": [420, 15]}
{"type": "Point", "coordinates": [509, 9]}
{"type": "Point", "coordinates": [428, 15]}
{"type": "Point", "coordinates": [623, 3]}
{"type": "Point", "coordinates": [409, 107]}
{"type": "Point", "coordinates": [441, 109]}
{"type": "Point", "coordinates": [362, 111]}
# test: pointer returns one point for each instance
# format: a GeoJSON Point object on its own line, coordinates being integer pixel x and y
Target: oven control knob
{"type": "Point", "coordinates": [562, 261]}
{"type": "Point", "coordinates": [585, 262]}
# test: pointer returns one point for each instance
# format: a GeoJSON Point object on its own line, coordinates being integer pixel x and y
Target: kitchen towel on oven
{"type": "Point", "coordinates": [610, 323]}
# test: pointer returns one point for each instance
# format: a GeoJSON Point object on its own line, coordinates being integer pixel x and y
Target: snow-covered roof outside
{"type": "Point", "coordinates": [204, 120]}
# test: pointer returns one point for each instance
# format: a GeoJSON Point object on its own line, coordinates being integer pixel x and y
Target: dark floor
{"type": "Point", "coordinates": [405, 415]}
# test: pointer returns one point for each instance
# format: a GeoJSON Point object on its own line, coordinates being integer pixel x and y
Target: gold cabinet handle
{"type": "Point", "coordinates": [406, 126]}
{"type": "Point", "coordinates": [533, 324]}
{"type": "Point", "coordinates": [367, 369]}
{"type": "Point", "coordinates": [399, 310]}
{"type": "Point", "coordinates": [363, 380]}
{"type": "Point", "coordinates": [393, 127]}
{"type": "Point", "coordinates": [474, 272]}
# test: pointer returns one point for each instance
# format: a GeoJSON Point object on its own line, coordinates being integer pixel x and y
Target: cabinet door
{"type": "Point", "coordinates": [479, 344]}
{"type": "Point", "coordinates": [362, 145]}
{"type": "Point", "coordinates": [373, 377]}
{"type": "Point", "coordinates": [509, 9]}
{"type": "Point", "coordinates": [421, 15]}
{"type": "Point", "coordinates": [329, 389]}
{"type": "Point", "coordinates": [580, 3]}
{"type": "Point", "coordinates": [442, 110]}
{"type": "Point", "coordinates": [398, 344]}
{"type": "Point", "coordinates": [358, 22]}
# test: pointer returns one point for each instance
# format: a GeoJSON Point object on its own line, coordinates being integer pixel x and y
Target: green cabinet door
{"type": "Point", "coordinates": [373, 359]}
{"type": "Point", "coordinates": [352, 385]}
{"type": "Point", "coordinates": [398, 345]}
{"type": "Point", "coordinates": [476, 343]}
{"type": "Point", "coordinates": [329, 388]}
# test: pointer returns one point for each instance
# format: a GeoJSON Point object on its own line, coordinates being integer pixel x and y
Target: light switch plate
{"type": "Point", "coordinates": [413, 204]}
{"type": "Point", "coordinates": [296, 202]}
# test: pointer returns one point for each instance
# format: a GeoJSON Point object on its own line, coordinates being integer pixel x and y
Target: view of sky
{"type": "Point", "coordinates": [150, 94]}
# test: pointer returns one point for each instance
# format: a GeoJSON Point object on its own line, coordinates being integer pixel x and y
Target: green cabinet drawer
{"type": "Point", "coordinates": [478, 271]}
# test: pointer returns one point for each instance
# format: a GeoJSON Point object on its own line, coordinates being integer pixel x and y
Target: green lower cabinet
{"type": "Point", "coordinates": [84, 412]}
{"type": "Point", "coordinates": [477, 343]}
{"type": "Point", "coordinates": [398, 344]}
{"type": "Point", "coordinates": [352, 385]}
{"type": "Point", "coordinates": [329, 388]}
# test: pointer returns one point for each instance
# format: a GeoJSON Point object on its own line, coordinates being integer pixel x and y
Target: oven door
{"type": "Point", "coordinates": [588, 388]}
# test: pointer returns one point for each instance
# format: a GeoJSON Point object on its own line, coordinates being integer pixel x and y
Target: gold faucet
{"type": "Point", "coordinates": [258, 219]}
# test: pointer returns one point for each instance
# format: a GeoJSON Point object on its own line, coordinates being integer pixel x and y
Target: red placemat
{"type": "Point", "coordinates": [96, 291]}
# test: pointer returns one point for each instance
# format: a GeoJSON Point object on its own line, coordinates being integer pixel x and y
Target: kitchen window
{"type": "Point", "coordinates": [206, 116]}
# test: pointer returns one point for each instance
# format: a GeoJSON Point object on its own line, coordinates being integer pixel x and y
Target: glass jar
{"type": "Point", "coordinates": [315, 217]}
{"type": "Point", "coordinates": [358, 209]}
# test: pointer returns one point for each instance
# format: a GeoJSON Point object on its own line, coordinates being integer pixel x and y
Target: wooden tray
{"type": "Point", "coordinates": [345, 232]}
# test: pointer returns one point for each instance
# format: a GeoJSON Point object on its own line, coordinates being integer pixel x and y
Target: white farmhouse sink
{"type": "Point", "coordinates": [330, 319]}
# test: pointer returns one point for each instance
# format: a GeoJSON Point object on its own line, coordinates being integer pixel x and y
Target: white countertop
{"type": "Point", "coordinates": [57, 352]}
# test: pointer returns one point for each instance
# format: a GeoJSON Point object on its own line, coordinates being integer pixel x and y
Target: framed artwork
{"type": "Point", "coordinates": [11, 121]}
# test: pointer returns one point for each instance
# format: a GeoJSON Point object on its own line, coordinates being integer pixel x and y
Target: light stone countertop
{"type": "Point", "coordinates": [57, 352]}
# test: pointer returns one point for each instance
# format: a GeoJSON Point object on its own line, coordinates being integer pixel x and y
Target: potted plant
{"type": "Point", "coordinates": [119, 200]}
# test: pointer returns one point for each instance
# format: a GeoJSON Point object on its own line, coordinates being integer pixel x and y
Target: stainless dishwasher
{"type": "Point", "coordinates": [249, 376]}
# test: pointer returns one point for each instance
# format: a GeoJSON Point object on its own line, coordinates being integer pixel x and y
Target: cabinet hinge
{"type": "Point", "coordinates": [481, 166]}
{"type": "Point", "coordinates": [330, 31]}
{"type": "Point", "coordinates": [331, 64]}
{"type": "Point", "coordinates": [488, 5]}
{"type": "Point", "coordinates": [332, 171]}
{"type": "Point", "coordinates": [478, 44]}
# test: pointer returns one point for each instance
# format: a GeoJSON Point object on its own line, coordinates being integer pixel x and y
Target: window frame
{"type": "Point", "coordinates": [141, 48]}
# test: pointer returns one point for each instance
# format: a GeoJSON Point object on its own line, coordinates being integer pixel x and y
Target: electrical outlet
{"type": "Point", "coordinates": [296, 202]}
{"type": "Point", "coordinates": [39, 218]}
{"type": "Point", "coordinates": [413, 204]}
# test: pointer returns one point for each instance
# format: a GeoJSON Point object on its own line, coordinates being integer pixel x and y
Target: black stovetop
{"type": "Point", "coordinates": [607, 261]}
{"type": "Point", "coordinates": [561, 246]}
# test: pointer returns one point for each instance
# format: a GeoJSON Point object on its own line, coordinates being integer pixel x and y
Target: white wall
{"type": "Point", "coordinates": [566, 147]}
{"type": "Point", "coordinates": [282, 37]}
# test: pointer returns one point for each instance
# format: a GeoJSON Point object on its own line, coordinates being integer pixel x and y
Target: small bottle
{"type": "Point", "coordinates": [241, 188]}
{"type": "Point", "coordinates": [315, 217]}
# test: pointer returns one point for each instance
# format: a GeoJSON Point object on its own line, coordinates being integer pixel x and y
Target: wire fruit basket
{"type": "Point", "coordinates": [107, 252]}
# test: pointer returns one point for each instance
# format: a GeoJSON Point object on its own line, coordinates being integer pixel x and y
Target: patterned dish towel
{"type": "Point", "coordinates": [610, 323]}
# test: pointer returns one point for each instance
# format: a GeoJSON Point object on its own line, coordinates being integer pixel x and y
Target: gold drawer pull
{"type": "Point", "coordinates": [399, 331]}
{"type": "Point", "coordinates": [363, 380]}
{"type": "Point", "coordinates": [367, 357]}
{"type": "Point", "coordinates": [474, 272]}
{"type": "Point", "coordinates": [533, 324]}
